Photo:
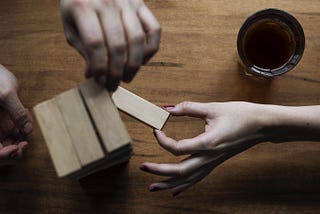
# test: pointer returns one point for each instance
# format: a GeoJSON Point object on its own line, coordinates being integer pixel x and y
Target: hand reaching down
{"type": "Point", "coordinates": [114, 36]}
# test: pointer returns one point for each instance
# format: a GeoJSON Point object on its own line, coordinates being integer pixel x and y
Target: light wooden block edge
{"type": "Point", "coordinates": [61, 167]}
{"type": "Point", "coordinates": [79, 126]}
{"type": "Point", "coordinates": [118, 135]}
{"type": "Point", "coordinates": [140, 108]}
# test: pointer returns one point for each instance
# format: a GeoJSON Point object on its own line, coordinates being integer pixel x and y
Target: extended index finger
{"type": "Point", "coordinates": [187, 108]}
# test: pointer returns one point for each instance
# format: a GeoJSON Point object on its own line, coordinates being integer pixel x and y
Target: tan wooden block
{"type": "Point", "coordinates": [105, 115]}
{"type": "Point", "coordinates": [57, 138]}
{"type": "Point", "coordinates": [140, 108]}
{"type": "Point", "coordinates": [79, 126]}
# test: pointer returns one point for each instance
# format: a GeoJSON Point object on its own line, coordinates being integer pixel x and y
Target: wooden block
{"type": "Point", "coordinates": [140, 108]}
{"type": "Point", "coordinates": [105, 115]}
{"type": "Point", "coordinates": [105, 163]}
{"type": "Point", "coordinates": [57, 138]}
{"type": "Point", "coordinates": [79, 126]}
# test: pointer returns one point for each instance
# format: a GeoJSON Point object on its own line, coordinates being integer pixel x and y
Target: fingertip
{"type": "Point", "coordinates": [130, 73]}
{"type": "Point", "coordinates": [27, 128]}
{"type": "Point", "coordinates": [112, 85]}
{"type": "Point", "coordinates": [168, 107]}
{"type": "Point", "coordinates": [154, 188]}
{"type": "Point", "coordinates": [189, 108]}
{"type": "Point", "coordinates": [144, 168]}
{"type": "Point", "coordinates": [127, 78]}
{"type": "Point", "coordinates": [20, 116]}
{"type": "Point", "coordinates": [23, 145]}
{"type": "Point", "coordinates": [106, 81]}
{"type": "Point", "coordinates": [157, 132]}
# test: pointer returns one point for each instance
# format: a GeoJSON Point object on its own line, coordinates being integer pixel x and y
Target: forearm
{"type": "Point", "coordinates": [284, 123]}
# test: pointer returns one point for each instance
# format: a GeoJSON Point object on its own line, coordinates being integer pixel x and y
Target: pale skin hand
{"type": "Point", "coordinates": [230, 129]}
{"type": "Point", "coordinates": [15, 120]}
{"type": "Point", "coordinates": [114, 36]}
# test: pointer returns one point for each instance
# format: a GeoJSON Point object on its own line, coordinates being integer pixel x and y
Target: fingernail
{"type": "Point", "coordinates": [154, 188]}
{"type": "Point", "coordinates": [144, 168]}
{"type": "Point", "coordinates": [168, 107]}
{"type": "Point", "coordinates": [27, 128]}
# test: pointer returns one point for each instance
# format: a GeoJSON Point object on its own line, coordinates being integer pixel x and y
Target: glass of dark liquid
{"type": "Point", "coordinates": [270, 43]}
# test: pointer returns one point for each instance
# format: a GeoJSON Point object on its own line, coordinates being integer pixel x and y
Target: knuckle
{"type": "Point", "coordinates": [205, 144]}
{"type": "Point", "coordinates": [93, 41]}
{"type": "Point", "coordinates": [176, 150]}
{"type": "Point", "coordinates": [211, 145]}
{"type": "Point", "coordinates": [21, 116]}
{"type": "Point", "coordinates": [137, 38]}
{"type": "Point", "coordinates": [156, 29]}
{"type": "Point", "coordinates": [98, 69]}
{"type": "Point", "coordinates": [137, 2]}
{"type": "Point", "coordinates": [6, 92]}
{"type": "Point", "coordinates": [186, 105]}
{"type": "Point", "coordinates": [117, 48]}
{"type": "Point", "coordinates": [155, 48]}
{"type": "Point", "coordinates": [77, 3]}
{"type": "Point", "coordinates": [109, 3]}
{"type": "Point", "coordinates": [116, 75]}
{"type": "Point", "coordinates": [132, 67]}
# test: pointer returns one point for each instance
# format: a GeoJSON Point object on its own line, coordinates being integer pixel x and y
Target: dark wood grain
{"type": "Point", "coordinates": [197, 61]}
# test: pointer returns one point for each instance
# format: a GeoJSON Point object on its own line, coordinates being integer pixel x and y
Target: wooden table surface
{"type": "Point", "coordinates": [198, 62]}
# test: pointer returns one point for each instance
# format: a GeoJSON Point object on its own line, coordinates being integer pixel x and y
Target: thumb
{"type": "Point", "coordinates": [192, 109]}
{"type": "Point", "coordinates": [19, 115]}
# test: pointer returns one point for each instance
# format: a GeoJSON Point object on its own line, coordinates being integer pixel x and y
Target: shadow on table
{"type": "Point", "coordinates": [105, 187]}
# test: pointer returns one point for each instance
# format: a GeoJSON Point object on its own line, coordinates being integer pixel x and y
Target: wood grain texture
{"type": "Point", "coordinates": [140, 108]}
{"type": "Point", "coordinates": [79, 127]}
{"type": "Point", "coordinates": [105, 115]}
{"type": "Point", "coordinates": [57, 138]}
{"type": "Point", "coordinates": [197, 61]}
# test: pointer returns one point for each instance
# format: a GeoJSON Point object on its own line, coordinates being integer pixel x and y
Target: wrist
{"type": "Point", "coordinates": [284, 123]}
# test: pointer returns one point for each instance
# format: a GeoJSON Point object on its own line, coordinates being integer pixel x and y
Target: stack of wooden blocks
{"type": "Point", "coordinates": [83, 129]}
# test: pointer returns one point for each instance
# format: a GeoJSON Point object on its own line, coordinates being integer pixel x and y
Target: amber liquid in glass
{"type": "Point", "coordinates": [268, 44]}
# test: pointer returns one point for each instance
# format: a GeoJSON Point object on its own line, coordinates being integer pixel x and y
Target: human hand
{"type": "Point", "coordinates": [114, 36]}
{"type": "Point", "coordinates": [15, 120]}
{"type": "Point", "coordinates": [230, 129]}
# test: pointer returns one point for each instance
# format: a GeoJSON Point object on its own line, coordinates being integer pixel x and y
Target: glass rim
{"type": "Point", "coordinates": [285, 18]}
